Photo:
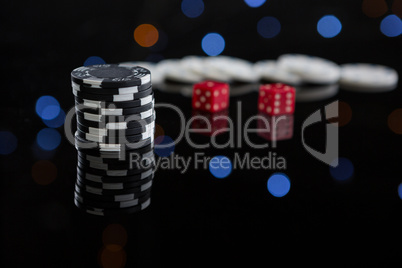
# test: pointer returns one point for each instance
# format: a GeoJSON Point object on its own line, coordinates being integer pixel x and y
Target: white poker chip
{"type": "Point", "coordinates": [365, 77]}
{"type": "Point", "coordinates": [270, 70]}
{"type": "Point", "coordinates": [182, 74]}
{"type": "Point", "coordinates": [310, 69]}
{"type": "Point", "coordinates": [316, 93]}
{"type": "Point", "coordinates": [163, 67]}
{"type": "Point", "coordinates": [236, 69]}
{"type": "Point", "coordinates": [194, 64]}
{"type": "Point", "coordinates": [215, 69]}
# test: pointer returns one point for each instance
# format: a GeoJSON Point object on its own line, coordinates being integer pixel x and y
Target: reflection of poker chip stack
{"type": "Point", "coordinates": [114, 138]}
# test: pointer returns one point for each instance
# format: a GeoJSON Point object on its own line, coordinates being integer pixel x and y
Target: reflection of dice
{"type": "Point", "coordinates": [209, 124]}
{"type": "Point", "coordinates": [210, 96]}
{"type": "Point", "coordinates": [276, 99]}
{"type": "Point", "coordinates": [275, 127]}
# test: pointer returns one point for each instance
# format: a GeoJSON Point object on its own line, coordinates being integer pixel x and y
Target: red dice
{"type": "Point", "coordinates": [209, 124]}
{"type": "Point", "coordinates": [276, 99]}
{"type": "Point", "coordinates": [275, 128]}
{"type": "Point", "coordinates": [210, 96]}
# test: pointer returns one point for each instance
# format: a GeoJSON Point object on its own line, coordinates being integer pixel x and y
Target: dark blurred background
{"type": "Point", "coordinates": [195, 219]}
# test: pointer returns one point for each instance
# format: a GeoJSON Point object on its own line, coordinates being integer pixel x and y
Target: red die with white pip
{"type": "Point", "coordinates": [276, 99]}
{"type": "Point", "coordinates": [210, 96]}
{"type": "Point", "coordinates": [210, 124]}
{"type": "Point", "coordinates": [275, 128]}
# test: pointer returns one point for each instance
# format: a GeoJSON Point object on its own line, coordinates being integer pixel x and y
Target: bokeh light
{"type": "Point", "coordinates": [44, 172]}
{"type": "Point", "coordinates": [213, 44]}
{"type": "Point", "coordinates": [114, 237]}
{"type": "Point", "coordinates": [158, 132]}
{"type": "Point", "coordinates": [254, 3]}
{"type": "Point", "coordinates": [56, 122]}
{"type": "Point", "coordinates": [329, 26]}
{"type": "Point", "coordinates": [397, 8]}
{"type": "Point", "coordinates": [400, 190]}
{"type": "Point", "coordinates": [112, 259]}
{"type": "Point", "coordinates": [220, 166]}
{"type": "Point", "coordinates": [391, 26]}
{"type": "Point", "coordinates": [343, 171]}
{"type": "Point", "coordinates": [192, 8]}
{"type": "Point", "coordinates": [374, 8]}
{"type": "Point", "coordinates": [278, 184]}
{"type": "Point", "coordinates": [344, 114]}
{"type": "Point", "coordinates": [146, 35]}
{"type": "Point", "coordinates": [48, 139]}
{"type": "Point", "coordinates": [8, 142]}
{"type": "Point", "coordinates": [164, 146]}
{"type": "Point", "coordinates": [47, 107]}
{"type": "Point", "coordinates": [94, 60]}
{"type": "Point", "coordinates": [268, 27]}
{"type": "Point", "coordinates": [395, 121]}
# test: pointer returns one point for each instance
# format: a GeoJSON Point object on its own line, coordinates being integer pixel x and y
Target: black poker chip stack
{"type": "Point", "coordinates": [114, 138]}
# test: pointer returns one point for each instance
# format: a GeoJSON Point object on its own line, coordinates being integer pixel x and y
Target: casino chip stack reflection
{"type": "Point", "coordinates": [114, 138]}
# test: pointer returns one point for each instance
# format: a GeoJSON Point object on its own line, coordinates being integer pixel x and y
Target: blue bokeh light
{"type": "Point", "coordinates": [343, 171]}
{"type": "Point", "coordinates": [278, 184]}
{"type": "Point", "coordinates": [220, 166]}
{"type": "Point", "coordinates": [8, 142]}
{"type": "Point", "coordinates": [56, 122]}
{"type": "Point", "coordinates": [329, 26]}
{"type": "Point", "coordinates": [47, 107]}
{"type": "Point", "coordinates": [94, 60]}
{"type": "Point", "coordinates": [213, 44]}
{"type": "Point", "coordinates": [48, 139]}
{"type": "Point", "coordinates": [400, 190]}
{"type": "Point", "coordinates": [391, 26]}
{"type": "Point", "coordinates": [254, 3]}
{"type": "Point", "coordinates": [192, 8]}
{"type": "Point", "coordinates": [164, 146]}
{"type": "Point", "coordinates": [268, 27]}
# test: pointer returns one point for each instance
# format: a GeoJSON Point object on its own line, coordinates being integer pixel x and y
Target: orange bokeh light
{"type": "Point", "coordinates": [397, 8]}
{"type": "Point", "coordinates": [344, 114]}
{"type": "Point", "coordinates": [374, 8]}
{"type": "Point", "coordinates": [112, 259]}
{"type": "Point", "coordinates": [158, 131]}
{"type": "Point", "coordinates": [44, 172]}
{"type": "Point", "coordinates": [146, 35]}
{"type": "Point", "coordinates": [114, 237]}
{"type": "Point", "coordinates": [395, 121]}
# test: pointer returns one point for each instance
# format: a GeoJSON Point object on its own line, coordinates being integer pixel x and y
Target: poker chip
{"type": "Point", "coordinates": [114, 132]}
{"type": "Point", "coordinates": [316, 93]}
{"type": "Point", "coordinates": [112, 110]}
{"type": "Point", "coordinates": [114, 138]}
{"type": "Point", "coordinates": [117, 122]}
{"type": "Point", "coordinates": [113, 98]}
{"type": "Point", "coordinates": [310, 69]}
{"type": "Point", "coordinates": [111, 76]}
{"type": "Point", "coordinates": [112, 212]}
{"type": "Point", "coordinates": [83, 173]}
{"type": "Point", "coordinates": [101, 118]}
{"type": "Point", "coordinates": [363, 77]}
{"type": "Point", "coordinates": [109, 91]}
{"type": "Point", "coordinates": [117, 185]}
{"type": "Point", "coordinates": [270, 71]}
{"type": "Point", "coordinates": [111, 205]}
{"type": "Point", "coordinates": [110, 198]}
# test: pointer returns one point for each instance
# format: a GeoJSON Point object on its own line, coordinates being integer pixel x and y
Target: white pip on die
{"type": "Point", "coordinates": [210, 96]}
{"type": "Point", "coordinates": [276, 99]}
